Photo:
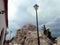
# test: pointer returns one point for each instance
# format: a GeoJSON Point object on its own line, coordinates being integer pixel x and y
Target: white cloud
{"type": "Point", "coordinates": [18, 2]}
{"type": "Point", "coordinates": [11, 10]}
{"type": "Point", "coordinates": [31, 10]}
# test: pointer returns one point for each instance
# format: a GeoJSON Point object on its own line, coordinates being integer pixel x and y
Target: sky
{"type": "Point", "coordinates": [22, 12]}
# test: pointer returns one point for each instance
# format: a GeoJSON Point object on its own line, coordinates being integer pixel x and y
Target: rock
{"type": "Point", "coordinates": [27, 35]}
{"type": "Point", "coordinates": [29, 27]}
{"type": "Point", "coordinates": [58, 41]}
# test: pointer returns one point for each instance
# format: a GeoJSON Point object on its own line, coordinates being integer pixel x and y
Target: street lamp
{"type": "Point", "coordinates": [36, 8]}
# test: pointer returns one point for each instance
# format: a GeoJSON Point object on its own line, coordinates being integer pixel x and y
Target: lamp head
{"type": "Point", "coordinates": [36, 6]}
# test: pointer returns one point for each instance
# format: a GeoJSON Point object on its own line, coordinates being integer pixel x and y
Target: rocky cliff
{"type": "Point", "coordinates": [27, 35]}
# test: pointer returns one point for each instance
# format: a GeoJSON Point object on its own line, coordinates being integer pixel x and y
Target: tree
{"type": "Point", "coordinates": [47, 33]}
{"type": "Point", "coordinates": [45, 30]}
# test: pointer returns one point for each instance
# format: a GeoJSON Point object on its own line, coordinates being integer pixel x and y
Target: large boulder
{"type": "Point", "coordinates": [30, 38]}
{"type": "Point", "coordinates": [27, 35]}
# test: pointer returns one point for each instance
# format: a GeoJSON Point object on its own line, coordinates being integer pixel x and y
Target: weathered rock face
{"type": "Point", "coordinates": [29, 27]}
{"type": "Point", "coordinates": [58, 41]}
{"type": "Point", "coordinates": [32, 39]}
{"type": "Point", "coordinates": [29, 37]}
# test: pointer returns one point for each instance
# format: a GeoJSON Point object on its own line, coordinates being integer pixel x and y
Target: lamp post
{"type": "Point", "coordinates": [36, 8]}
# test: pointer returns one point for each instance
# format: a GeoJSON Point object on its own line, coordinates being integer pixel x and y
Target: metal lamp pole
{"type": "Point", "coordinates": [36, 8]}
